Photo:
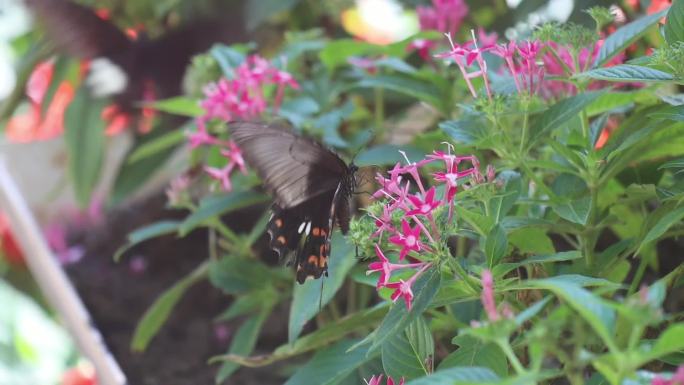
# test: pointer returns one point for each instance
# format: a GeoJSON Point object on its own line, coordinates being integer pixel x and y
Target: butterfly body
{"type": "Point", "coordinates": [310, 186]}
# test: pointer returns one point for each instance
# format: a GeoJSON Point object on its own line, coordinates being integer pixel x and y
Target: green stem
{"type": "Point", "coordinates": [380, 113]}
{"type": "Point", "coordinates": [540, 184]}
{"type": "Point", "coordinates": [512, 358]}
{"type": "Point", "coordinates": [523, 138]}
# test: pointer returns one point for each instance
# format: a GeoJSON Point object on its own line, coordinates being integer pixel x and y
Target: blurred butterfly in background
{"type": "Point", "coordinates": [311, 188]}
{"type": "Point", "coordinates": [122, 66]}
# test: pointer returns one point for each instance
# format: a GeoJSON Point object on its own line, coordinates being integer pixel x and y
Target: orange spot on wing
{"type": "Point", "coordinates": [281, 239]}
{"type": "Point", "coordinates": [279, 222]}
{"type": "Point", "coordinates": [313, 259]}
{"type": "Point", "coordinates": [322, 262]}
{"type": "Point", "coordinates": [316, 231]}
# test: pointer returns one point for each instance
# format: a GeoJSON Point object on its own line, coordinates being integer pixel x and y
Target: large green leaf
{"type": "Point", "coordinates": [409, 353]}
{"type": "Point", "coordinates": [624, 36]}
{"type": "Point", "coordinates": [307, 297]}
{"type": "Point", "coordinates": [561, 112]}
{"type": "Point", "coordinates": [495, 245]}
{"type": "Point", "coordinates": [179, 105]}
{"type": "Point", "coordinates": [412, 86]}
{"type": "Point", "coordinates": [670, 341]}
{"type": "Point", "coordinates": [142, 234]}
{"type": "Point", "coordinates": [674, 26]}
{"type": "Point", "coordinates": [217, 205]}
{"type": "Point", "coordinates": [592, 308]}
{"type": "Point", "coordinates": [576, 211]}
{"type": "Point", "coordinates": [663, 224]}
{"type": "Point", "coordinates": [458, 376]}
{"type": "Point", "coordinates": [237, 275]}
{"type": "Point", "coordinates": [331, 365]}
{"type": "Point", "coordinates": [159, 312]}
{"type": "Point", "coordinates": [475, 352]}
{"type": "Point", "coordinates": [627, 73]}
{"type": "Point", "coordinates": [85, 142]}
{"type": "Point", "coordinates": [160, 144]}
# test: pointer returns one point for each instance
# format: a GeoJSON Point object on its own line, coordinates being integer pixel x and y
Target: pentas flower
{"type": "Point", "coordinates": [464, 56]}
{"type": "Point", "coordinates": [385, 267]}
{"type": "Point", "coordinates": [223, 174]}
{"type": "Point", "coordinates": [201, 137]}
{"type": "Point", "coordinates": [677, 378]}
{"type": "Point", "coordinates": [521, 62]}
{"type": "Point", "coordinates": [378, 381]}
{"type": "Point", "coordinates": [423, 47]}
{"type": "Point", "coordinates": [487, 296]}
{"type": "Point", "coordinates": [402, 289]}
{"type": "Point", "coordinates": [412, 236]}
{"type": "Point", "coordinates": [408, 239]}
{"type": "Point", "coordinates": [444, 15]}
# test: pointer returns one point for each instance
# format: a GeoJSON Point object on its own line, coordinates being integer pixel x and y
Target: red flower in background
{"type": "Point", "coordinates": [9, 249]}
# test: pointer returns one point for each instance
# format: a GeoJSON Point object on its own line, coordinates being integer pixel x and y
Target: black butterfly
{"type": "Point", "coordinates": [310, 185]}
{"type": "Point", "coordinates": [78, 31]}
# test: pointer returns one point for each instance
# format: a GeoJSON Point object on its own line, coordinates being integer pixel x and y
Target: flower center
{"type": "Point", "coordinates": [411, 241]}
{"type": "Point", "coordinates": [425, 208]}
{"type": "Point", "coordinates": [451, 178]}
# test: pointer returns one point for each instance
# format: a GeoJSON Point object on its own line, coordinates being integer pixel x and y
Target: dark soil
{"type": "Point", "coordinates": [118, 294]}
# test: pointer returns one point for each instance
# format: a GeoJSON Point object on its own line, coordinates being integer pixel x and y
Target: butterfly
{"type": "Point", "coordinates": [126, 68]}
{"type": "Point", "coordinates": [311, 188]}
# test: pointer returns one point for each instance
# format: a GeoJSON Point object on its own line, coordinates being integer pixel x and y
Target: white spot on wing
{"type": "Point", "coordinates": [301, 227]}
{"type": "Point", "coordinates": [106, 78]}
{"type": "Point", "coordinates": [308, 228]}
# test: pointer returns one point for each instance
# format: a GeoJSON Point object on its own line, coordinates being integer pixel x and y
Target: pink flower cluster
{"type": "Point", "coordinates": [444, 15]}
{"type": "Point", "coordinates": [562, 64]}
{"type": "Point", "coordinates": [521, 62]}
{"type": "Point", "coordinates": [417, 214]}
{"type": "Point", "coordinates": [377, 380]}
{"type": "Point", "coordinates": [677, 378]}
{"type": "Point", "coordinates": [464, 55]}
{"type": "Point", "coordinates": [242, 98]}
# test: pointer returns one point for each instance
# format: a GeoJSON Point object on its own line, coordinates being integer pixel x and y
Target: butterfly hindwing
{"type": "Point", "coordinates": [311, 187]}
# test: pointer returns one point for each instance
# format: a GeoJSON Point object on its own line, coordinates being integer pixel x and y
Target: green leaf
{"type": "Point", "coordinates": [531, 240]}
{"type": "Point", "coordinates": [159, 312]}
{"type": "Point", "coordinates": [676, 164]}
{"type": "Point", "coordinates": [228, 58]}
{"type": "Point", "coordinates": [331, 365]}
{"type": "Point", "coordinates": [409, 354]}
{"type": "Point", "coordinates": [674, 25]}
{"type": "Point", "coordinates": [670, 341]}
{"type": "Point", "coordinates": [259, 11]}
{"type": "Point", "coordinates": [408, 85]}
{"type": "Point", "coordinates": [243, 342]}
{"type": "Point", "coordinates": [306, 297]}
{"type": "Point", "coordinates": [502, 203]}
{"type": "Point", "coordinates": [627, 73]}
{"type": "Point", "coordinates": [576, 211]}
{"type": "Point", "coordinates": [458, 376]}
{"type": "Point", "coordinates": [617, 100]}
{"type": "Point", "coordinates": [398, 318]}
{"type": "Point", "coordinates": [337, 52]}
{"type": "Point", "coordinates": [85, 141]}
{"type": "Point", "coordinates": [144, 233]}
{"type": "Point", "coordinates": [619, 40]}
{"type": "Point", "coordinates": [674, 113]}
{"type": "Point", "coordinates": [561, 112]}
{"type": "Point", "coordinates": [466, 131]}
{"type": "Point", "coordinates": [217, 205]}
{"type": "Point", "coordinates": [236, 275]}
{"type": "Point", "coordinates": [667, 221]}
{"type": "Point", "coordinates": [592, 308]}
{"type": "Point", "coordinates": [475, 352]}
{"type": "Point", "coordinates": [496, 244]}
{"type": "Point", "coordinates": [179, 105]}
{"type": "Point", "coordinates": [164, 142]}
{"type": "Point", "coordinates": [387, 154]}
{"type": "Point", "coordinates": [503, 268]}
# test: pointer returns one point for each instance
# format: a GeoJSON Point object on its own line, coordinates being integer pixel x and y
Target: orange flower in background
{"type": "Point", "coordinates": [658, 5]}
{"type": "Point", "coordinates": [608, 129]}
{"type": "Point", "coordinates": [34, 125]}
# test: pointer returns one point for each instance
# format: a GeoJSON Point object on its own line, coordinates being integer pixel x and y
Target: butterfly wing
{"type": "Point", "coordinates": [310, 188]}
{"type": "Point", "coordinates": [293, 168]}
{"type": "Point", "coordinates": [77, 30]}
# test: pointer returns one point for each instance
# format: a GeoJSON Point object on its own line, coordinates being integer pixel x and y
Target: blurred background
{"type": "Point", "coordinates": [50, 61]}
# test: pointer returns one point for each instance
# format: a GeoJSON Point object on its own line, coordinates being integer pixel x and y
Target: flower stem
{"type": "Point", "coordinates": [380, 113]}
{"type": "Point", "coordinates": [512, 358]}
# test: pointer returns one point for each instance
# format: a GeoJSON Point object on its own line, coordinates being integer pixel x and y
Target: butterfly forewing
{"type": "Point", "coordinates": [311, 187]}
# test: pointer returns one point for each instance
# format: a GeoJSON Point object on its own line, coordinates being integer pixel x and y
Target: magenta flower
{"type": "Point", "coordinates": [424, 206]}
{"type": "Point", "coordinates": [403, 288]}
{"type": "Point", "coordinates": [385, 267]}
{"type": "Point", "coordinates": [363, 63]}
{"type": "Point", "coordinates": [384, 223]}
{"type": "Point", "coordinates": [201, 137]}
{"type": "Point", "coordinates": [444, 15]}
{"type": "Point", "coordinates": [677, 378]}
{"type": "Point", "coordinates": [222, 175]}
{"type": "Point", "coordinates": [377, 380]}
{"type": "Point", "coordinates": [234, 155]}
{"type": "Point", "coordinates": [423, 47]}
{"type": "Point", "coordinates": [487, 296]}
{"type": "Point", "coordinates": [464, 56]}
{"type": "Point", "coordinates": [389, 186]}
{"type": "Point", "coordinates": [487, 39]}
{"type": "Point", "coordinates": [408, 239]}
